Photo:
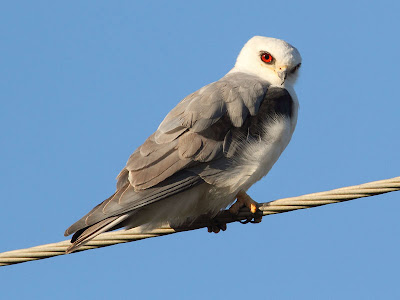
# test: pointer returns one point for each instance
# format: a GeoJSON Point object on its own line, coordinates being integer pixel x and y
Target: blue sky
{"type": "Point", "coordinates": [83, 84]}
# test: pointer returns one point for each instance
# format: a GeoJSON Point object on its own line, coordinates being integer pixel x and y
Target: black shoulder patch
{"type": "Point", "coordinates": [277, 101]}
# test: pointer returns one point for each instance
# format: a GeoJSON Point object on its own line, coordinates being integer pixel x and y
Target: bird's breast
{"type": "Point", "coordinates": [258, 156]}
{"type": "Point", "coordinates": [263, 139]}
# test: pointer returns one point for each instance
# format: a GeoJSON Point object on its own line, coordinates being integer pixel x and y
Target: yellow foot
{"type": "Point", "coordinates": [245, 200]}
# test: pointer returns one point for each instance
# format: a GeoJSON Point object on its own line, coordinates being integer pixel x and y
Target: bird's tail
{"type": "Point", "coordinates": [84, 235]}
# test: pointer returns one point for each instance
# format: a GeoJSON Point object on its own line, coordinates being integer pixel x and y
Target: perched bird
{"type": "Point", "coordinates": [209, 150]}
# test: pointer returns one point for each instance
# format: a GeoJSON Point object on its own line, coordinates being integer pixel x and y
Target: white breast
{"type": "Point", "coordinates": [258, 157]}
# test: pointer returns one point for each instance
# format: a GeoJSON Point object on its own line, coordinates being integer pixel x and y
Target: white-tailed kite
{"type": "Point", "coordinates": [209, 150]}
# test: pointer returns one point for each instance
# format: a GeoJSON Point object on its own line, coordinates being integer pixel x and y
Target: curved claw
{"type": "Point", "coordinates": [253, 218]}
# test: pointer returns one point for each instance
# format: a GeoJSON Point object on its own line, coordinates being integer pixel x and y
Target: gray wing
{"type": "Point", "coordinates": [195, 133]}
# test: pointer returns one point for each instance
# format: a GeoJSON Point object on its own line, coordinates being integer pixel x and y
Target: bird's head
{"type": "Point", "coordinates": [271, 59]}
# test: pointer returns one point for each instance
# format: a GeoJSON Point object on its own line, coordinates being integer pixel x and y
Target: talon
{"type": "Point", "coordinates": [223, 226]}
{"type": "Point", "coordinates": [257, 216]}
{"type": "Point", "coordinates": [216, 226]}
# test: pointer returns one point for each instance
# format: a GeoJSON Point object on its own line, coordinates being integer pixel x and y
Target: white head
{"type": "Point", "coordinates": [271, 59]}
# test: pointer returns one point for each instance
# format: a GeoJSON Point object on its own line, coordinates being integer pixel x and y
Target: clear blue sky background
{"type": "Point", "coordinates": [83, 84]}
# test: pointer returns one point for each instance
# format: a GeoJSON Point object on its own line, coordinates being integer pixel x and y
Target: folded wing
{"type": "Point", "coordinates": [195, 133]}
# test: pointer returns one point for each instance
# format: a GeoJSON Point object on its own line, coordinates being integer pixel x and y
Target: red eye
{"type": "Point", "coordinates": [266, 57]}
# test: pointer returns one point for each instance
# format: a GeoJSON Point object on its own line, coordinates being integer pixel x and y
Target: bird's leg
{"type": "Point", "coordinates": [242, 199]}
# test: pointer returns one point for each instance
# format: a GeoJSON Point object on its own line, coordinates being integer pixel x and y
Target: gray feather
{"type": "Point", "coordinates": [205, 118]}
{"type": "Point", "coordinates": [127, 200]}
{"type": "Point", "coordinates": [203, 108]}
{"type": "Point", "coordinates": [89, 233]}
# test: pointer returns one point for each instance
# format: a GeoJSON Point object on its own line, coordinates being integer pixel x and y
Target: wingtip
{"type": "Point", "coordinates": [84, 235]}
{"type": "Point", "coordinates": [77, 241]}
{"type": "Point", "coordinates": [71, 248]}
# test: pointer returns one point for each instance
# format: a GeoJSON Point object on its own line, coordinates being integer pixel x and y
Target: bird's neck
{"type": "Point", "coordinates": [267, 76]}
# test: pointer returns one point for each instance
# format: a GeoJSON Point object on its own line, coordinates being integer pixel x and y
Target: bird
{"type": "Point", "coordinates": [209, 150]}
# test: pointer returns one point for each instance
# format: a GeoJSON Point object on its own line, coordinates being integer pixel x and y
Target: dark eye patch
{"type": "Point", "coordinates": [295, 68]}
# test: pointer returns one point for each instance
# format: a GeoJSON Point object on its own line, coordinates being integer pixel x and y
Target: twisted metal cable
{"type": "Point", "coordinates": [273, 207]}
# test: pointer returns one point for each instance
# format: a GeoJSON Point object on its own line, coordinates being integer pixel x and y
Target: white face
{"type": "Point", "coordinates": [273, 60]}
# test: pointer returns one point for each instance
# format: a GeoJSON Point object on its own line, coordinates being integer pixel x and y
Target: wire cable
{"type": "Point", "coordinates": [268, 208]}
